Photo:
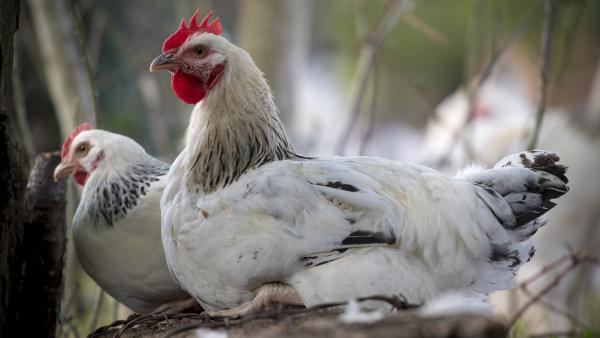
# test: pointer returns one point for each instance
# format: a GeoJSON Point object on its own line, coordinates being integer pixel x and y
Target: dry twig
{"type": "Point", "coordinates": [93, 116]}
{"type": "Point", "coordinates": [421, 26]}
{"type": "Point", "coordinates": [550, 306]}
{"type": "Point", "coordinates": [473, 94]}
{"type": "Point", "coordinates": [575, 259]}
{"type": "Point", "coordinates": [205, 321]}
{"type": "Point", "coordinates": [549, 18]}
{"type": "Point", "coordinates": [398, 303]}
{"type": "Point", "coordinates": [96, 311]}
{"type": "Point", "coordinates": [372, 114]}
{"type": "Point", "coordinates": [366, 61]}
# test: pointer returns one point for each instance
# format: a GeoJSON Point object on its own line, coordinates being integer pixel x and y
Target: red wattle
{"type": "Point", "coordinates": [190, 89]}
{"type": "Point", "coordinates": [80, 176]}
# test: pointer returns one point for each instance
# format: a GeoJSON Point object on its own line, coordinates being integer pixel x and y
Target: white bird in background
{"type": "Point", "coordinates": [246, 221]}
{"type": "Point", "coordinates": [502, 119]}
{"type": "Point", "coordinates": [116, 228]}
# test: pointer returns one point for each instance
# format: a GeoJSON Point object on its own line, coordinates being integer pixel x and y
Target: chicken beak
{"type": "Point", "coordinates": [63, 170]}
{"type": "Point", "coordinates": [164, 62]}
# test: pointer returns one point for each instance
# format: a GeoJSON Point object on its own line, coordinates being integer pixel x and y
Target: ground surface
{"type": "Point", "coordinates": [317, 323]}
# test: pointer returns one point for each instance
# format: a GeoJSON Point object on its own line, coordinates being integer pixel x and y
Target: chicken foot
{"type": "Point", "coordinates": [267, 295]}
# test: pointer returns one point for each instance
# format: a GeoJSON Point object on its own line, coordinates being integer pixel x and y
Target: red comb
{"type": "Point", "coordinates": [184, 32]}
{"type": "Point", "coordinates": [67, 144]}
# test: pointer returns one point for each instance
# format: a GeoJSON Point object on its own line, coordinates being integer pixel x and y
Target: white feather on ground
{"type": "Point", "coordinates": [456, 303]}
{"type": "Point", "coordinates": [354, 313]}
{"type": "Point", "coordinates": [208, 333]}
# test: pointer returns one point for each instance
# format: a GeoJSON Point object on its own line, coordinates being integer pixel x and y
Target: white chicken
{"type": "Point", "coordinates": [246, 221]}
{"type": "Point", "coordinates": [503, 117]}
{"type": "Point", "coordinates": [116, 228]}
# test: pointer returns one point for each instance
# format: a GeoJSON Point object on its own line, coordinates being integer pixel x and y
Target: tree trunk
{"type": "Point", "coordinates": [43, 250]}
{"type": "Point", "coordinates": [11, 174]}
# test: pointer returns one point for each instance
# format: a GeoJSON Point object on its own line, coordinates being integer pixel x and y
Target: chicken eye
{"type": "Point", "coordinates": [82, 148]}
{"type": "Point", "coordinates": [199, 51]}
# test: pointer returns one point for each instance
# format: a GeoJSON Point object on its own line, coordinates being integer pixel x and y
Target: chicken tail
{"type": "Point", "coordinates": [518, 190]}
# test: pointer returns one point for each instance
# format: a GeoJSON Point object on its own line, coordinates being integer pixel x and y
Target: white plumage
{"type": "Point", "coordinates": [435, 233]}
{"type": "Point", "coordinates": [241, 209]}
{"type": "Point", "coordinates": [116, 228]}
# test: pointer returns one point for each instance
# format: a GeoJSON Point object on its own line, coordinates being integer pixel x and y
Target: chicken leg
{"type": "Point", "coordinates": [267, 295]}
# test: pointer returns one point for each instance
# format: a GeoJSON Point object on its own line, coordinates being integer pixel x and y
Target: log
{"type": "Point", "coordinates": [42, 250]}
{"type": "Point", "coordinates": [321, 324]}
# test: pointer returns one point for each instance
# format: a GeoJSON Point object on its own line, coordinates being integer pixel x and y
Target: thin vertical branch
{"type": "Point", "coordinates": [360, 22]}
{"type": "Point", "coordinates": [65, 73]}
{"type": "Point", "coordinates": [93, 116]}
{"type": "Point", "coordinates": [94, 41]}
{"type": "Point", "coordinates": [424, 28]}
{"type": "Point", "coordinates": [368, 136]}
{"type": "Point", "coordinates": [549, 18]}
{"type": "Point", "coordinates": [67, 308]}
{"type": "Point", "coordinates": [497, 52]}
{"type": "Point", "coordinates": [571, 15]}
{"type": "Point", "coordinates": [97, 308]}
{"type": "Point", "coordinates": [364, 67]}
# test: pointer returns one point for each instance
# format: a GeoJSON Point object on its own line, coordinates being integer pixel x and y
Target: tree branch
{"type": "Point", "coordinates": [93, 116]}
{"type": "Point", "coordinates": [421, 26]}
{"type": "Point", "coordinates": [550, 12]}
{"type": "Point", "coordinates": [574, 259]}
{"type": "Point", "coordinates": [97, 308]}
{"type": "Point", "coordinates": [67, 77]}
{"type": "Point", "coordinates": [372, 113]}
{"type": "Point", "coordinates": [364, 67]}
{"type": "Point", "coordinates": [473, 92]}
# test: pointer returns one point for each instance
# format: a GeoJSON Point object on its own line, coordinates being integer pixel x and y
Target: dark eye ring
{"type": "Point", "coordinates": [199, 51]}
{"type": "Point", "coordinates": [82, 148]}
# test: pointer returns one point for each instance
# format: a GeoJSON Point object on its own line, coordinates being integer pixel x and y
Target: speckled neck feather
{"type": "Point", "coordinates": [111, 197]}
{"type": "Point", "coordinates": [235, 128]}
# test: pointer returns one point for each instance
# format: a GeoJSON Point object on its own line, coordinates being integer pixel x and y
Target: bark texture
{"type": "Point", "coordinates": [43, 250]}
{"type": "Point", "coordinates": [11, 174]}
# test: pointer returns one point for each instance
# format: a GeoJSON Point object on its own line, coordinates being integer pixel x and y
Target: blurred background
{"type": "Point", "coordinates": [443, 83]}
